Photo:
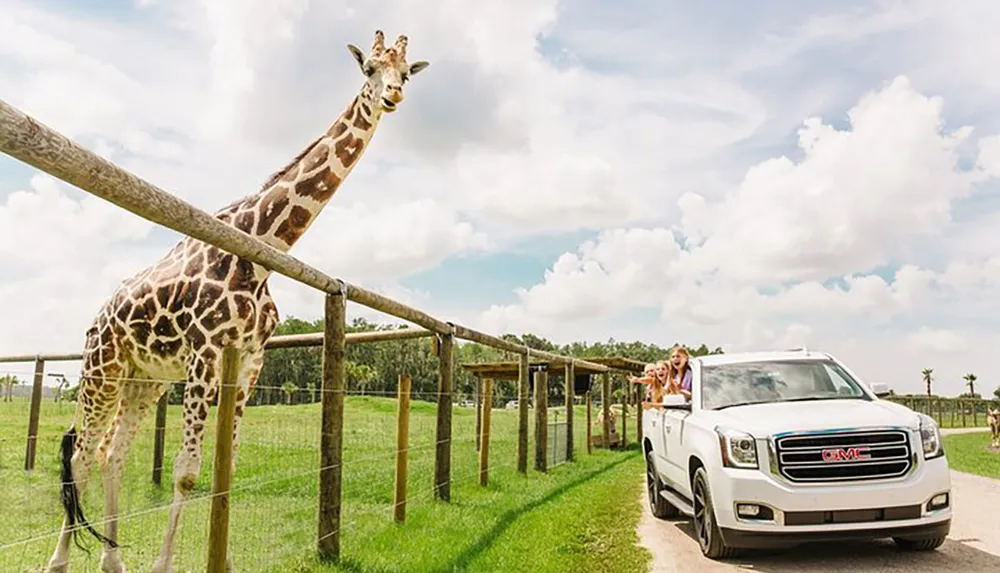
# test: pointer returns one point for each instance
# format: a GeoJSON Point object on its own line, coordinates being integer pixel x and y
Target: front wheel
{"type": "Point", "coordinates": [705, 527]}
{"type": "Point", "coordinates": [661, 508]}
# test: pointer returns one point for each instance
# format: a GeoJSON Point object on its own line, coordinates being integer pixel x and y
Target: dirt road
{"type": "Point", "coordinates": [973, 546]}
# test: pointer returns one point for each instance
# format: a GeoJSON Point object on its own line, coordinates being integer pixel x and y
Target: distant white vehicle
{"type": "Point", "coordinates": [779, 448]}
{"type": "Point", "coordinates": [512, 405]}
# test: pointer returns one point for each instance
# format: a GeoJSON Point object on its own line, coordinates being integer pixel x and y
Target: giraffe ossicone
{"type": "Point", "coordinates": [171, 320]}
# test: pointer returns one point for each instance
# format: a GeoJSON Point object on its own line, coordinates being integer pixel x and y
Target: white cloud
{"type": "Point", "coordinates": [852, 202]}
{"type": "Point", "coordinates": [937, 340]}
{"type": "Point", "coordinates": [45, 226]}
{"type": "Point", "coordinates": [363, 242]}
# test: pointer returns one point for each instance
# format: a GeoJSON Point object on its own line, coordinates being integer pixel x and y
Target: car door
{"type": "Point", "coordinates": [675, 466]}
{"type": "Point", "coordinates": [654, 429]}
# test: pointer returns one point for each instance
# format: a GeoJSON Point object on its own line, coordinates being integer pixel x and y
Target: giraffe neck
{"type": "Point", "coordinates": [292, 199]}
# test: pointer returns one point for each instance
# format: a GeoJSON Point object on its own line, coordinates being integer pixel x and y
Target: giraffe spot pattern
{"type": "Point", "coordinates": [243, 277]}
{"type": "Point", "coordinates": [219, 316]}
{"type": "Point", "coordinates": [292, 228]}
{"type": "Point", "coordinates": [319, 186]}
{"type": "Point", "coordinates": [361, 123]}
{"type": "Point", "coordinates": [218, 270]}
{"type": "Point", "coordinates": [348, 149]}
{"type": "Point", "coordinates": [271, 207]}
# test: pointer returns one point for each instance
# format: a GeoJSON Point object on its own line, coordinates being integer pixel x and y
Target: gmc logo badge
{"type": "Point", "coordinates": [846, 454]}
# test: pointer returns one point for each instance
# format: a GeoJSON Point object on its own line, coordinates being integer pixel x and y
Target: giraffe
{"type": "Point", "coordinates": [171, 320]}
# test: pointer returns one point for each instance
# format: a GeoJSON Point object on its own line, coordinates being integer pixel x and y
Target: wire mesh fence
{"type": "Point", "coordinates": [272, 525]}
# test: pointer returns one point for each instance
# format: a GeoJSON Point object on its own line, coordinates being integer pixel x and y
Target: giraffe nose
{"type": "Point", "coordinates": [394, 94]}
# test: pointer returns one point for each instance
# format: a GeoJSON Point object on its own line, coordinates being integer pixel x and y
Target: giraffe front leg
{"type": "Point", "coordinates": [250, 367]}
{"type": "Point", "coordinates": [187, 464]}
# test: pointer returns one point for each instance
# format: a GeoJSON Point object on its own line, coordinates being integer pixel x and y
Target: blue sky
{"type": "Point", "coordinates": [746, 175]}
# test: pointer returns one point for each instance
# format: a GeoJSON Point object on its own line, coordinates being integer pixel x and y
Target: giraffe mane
{"type": "Point", "coordinates": [281, 172]}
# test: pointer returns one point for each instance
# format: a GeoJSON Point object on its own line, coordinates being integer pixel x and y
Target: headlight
{"type": "Point", "coordinates": [931, 437]}
{"type": "Point", "coordinates": [739, 449]}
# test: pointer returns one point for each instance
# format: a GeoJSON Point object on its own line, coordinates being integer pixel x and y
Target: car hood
{"type": "Point", "coordinates": [762, 420]}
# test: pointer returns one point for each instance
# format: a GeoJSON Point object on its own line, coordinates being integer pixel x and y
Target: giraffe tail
{"type": "Point", "coordinates": [71, 496]}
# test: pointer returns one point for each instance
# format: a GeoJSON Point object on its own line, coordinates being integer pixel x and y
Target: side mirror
{"type": "Point", "coordinates": [676, 402]}
{"type": "Point", "coordinates": [881, 390]}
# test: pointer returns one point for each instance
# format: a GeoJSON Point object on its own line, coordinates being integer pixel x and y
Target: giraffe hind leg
{"type": "Point", "coordinates": [98, 397]}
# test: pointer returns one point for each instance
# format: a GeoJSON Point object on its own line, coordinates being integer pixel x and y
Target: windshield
{"type": "Point", "coordinates": [724, 385]}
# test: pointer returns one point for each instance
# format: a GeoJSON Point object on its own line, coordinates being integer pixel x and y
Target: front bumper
{"type": "Point", "coordinates": [794, 513]}
{"type": "Point", "coordinates": [744, 539]}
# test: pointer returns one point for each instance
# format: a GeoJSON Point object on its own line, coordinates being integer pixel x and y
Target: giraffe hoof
{"type": "Point", "coordinates": [112, 563]}
{"type": "Point", "coordinates": [62, 567]}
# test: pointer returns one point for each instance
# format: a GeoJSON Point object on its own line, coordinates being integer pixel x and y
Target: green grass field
{"type": "Point", "coordinates": [970, 453]}
{"type": "Point", "coordinates": [579, 517]}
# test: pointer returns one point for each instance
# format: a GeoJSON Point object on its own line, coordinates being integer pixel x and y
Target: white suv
{"type": "Point", "coordinates": [779, 448]}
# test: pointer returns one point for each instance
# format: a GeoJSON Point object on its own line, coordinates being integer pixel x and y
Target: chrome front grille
{"type": "Point", "coordinates": [843, 456]}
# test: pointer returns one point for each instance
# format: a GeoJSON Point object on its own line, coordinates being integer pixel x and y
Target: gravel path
{"type": "Point", "coordinates": [973, 546]}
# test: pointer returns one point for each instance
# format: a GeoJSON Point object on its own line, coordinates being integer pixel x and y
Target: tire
{"type": "Point", "coordinates": [661, 508]}
{"type": "Point", "coordinates": [706, 529]}
{"type": "Point", "coordinates": [919, 544]}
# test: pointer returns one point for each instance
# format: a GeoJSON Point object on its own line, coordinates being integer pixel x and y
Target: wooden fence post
{"type": "Point", "coordinates": [590, 447]}
{"type": "Point", "coordinates": [35, 412]}
{"type": "Point", "coordinates": [479, 411]}
{"type": "Point", "coordinates": [332, 438]}
{"type": "Point", "coordinates": [541, 420]}
{"type": "Point", "coordinates": [523, 383]}
{"type": "Point", "coordinates": [624, 401]}
{"type": "Point", "coordinates": [402, 445]}
{"type": "Point", "coordinates": [222, 469]}
{"type": "Point", "coordinates": [638, 414]}
{"type": "Point", "coordinates": [484, 444]}
{"type": "Point", "coordinates": [569, 375]}
{"type": "Point", "coordinates": [442, 458]}
{"type": "Point", "coordinates": [606, 407]}
{"type": "Point", "coordinates": [159, 431]}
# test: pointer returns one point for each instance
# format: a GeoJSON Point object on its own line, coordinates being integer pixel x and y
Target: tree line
{"type": "Point", "coordinates": [293, 375]}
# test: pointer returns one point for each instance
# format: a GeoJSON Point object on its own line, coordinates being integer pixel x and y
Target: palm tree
{"type": "Point", "coordinates": [927, 372]}
{"type": "Point", "coordinates": [970, 381]}
{"type": "Point", "coordinates": [289, 389]}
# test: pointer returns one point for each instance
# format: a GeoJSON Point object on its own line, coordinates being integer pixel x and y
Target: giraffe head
{"type": "Point", "coordinates": [386, 70]}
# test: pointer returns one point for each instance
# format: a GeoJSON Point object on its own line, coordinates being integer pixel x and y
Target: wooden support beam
{"type": "Point", "coordinates": [33, 414]}
{"type": "Point", "coordinates": [523, 383]}
{"type": "Point", "coordinates": [222, 468]}
{"type": "Point", "coordinates": [541, 420]}
{"type": "Point", "coordinates": [442, 458]}
{"type": "Point", "coordinates": [484, 447]}
{"type": "Point", "coordinates": [332, 427]}
{"type": "Point", "coordinates": [568, 375]}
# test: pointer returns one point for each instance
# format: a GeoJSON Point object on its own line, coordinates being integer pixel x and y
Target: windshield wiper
{"type": "Point", "coordinates": [812, 398]}
{"type": "Point", "coordinates": [748, 403]}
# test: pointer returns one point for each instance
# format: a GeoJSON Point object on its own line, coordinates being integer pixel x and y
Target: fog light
{"type": "Point", "coordinates": [746, 510]}
{"type": "Point", "coordinates": [937, 502]}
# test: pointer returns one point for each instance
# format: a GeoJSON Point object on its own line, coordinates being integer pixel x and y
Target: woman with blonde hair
{"type": "Point", "coordinates": [679, 359]}
{"type": "Point", "coordinates": [653, 377]}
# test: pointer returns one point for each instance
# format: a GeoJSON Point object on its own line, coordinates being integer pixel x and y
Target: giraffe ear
{"type": "Point", "coordinates": [417, 67]}
{"type": "Point", "coordinates": [358, 55]}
